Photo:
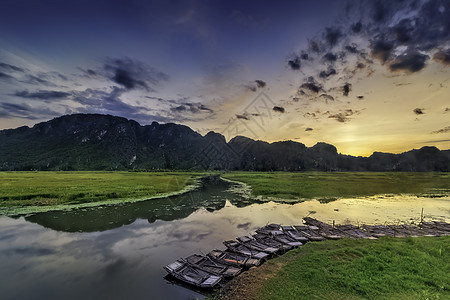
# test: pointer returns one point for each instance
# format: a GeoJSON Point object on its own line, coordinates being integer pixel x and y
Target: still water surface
{"type": "Point", "coordinates": [117, 252]}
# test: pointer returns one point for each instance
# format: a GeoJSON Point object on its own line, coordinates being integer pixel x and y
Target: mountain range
{"type": "Point", "coordinates": [105, 142]}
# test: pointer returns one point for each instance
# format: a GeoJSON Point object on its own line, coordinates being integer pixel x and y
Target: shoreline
{"type": "Point", "coordinates": [28, 210]}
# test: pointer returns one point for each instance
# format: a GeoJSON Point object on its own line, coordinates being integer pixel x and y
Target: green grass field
{"type": "Point", "coordinates": [387, 268]}
{"type": "Point", "coordinates": [323, 185]}
{"type": "Point", "coordinates": [56, 188]}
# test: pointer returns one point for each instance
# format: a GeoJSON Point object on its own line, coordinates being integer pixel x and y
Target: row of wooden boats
{"type": "Point", "coordinates": [207, 271]}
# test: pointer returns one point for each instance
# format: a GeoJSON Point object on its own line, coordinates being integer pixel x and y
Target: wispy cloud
{"type": "Point", "coordinates": [343, 116]}
{"type": "Point", "coordinates": [442, 130]}
{"type": "Point", "coordinates": [42, 95]}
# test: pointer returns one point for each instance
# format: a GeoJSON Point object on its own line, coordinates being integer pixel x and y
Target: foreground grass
{"type": "Point", "coordinates": [56, 188]}
{"type": "Point", "coordinates": [387, 268]}
{"type": "Point", "coordinates": [341, 184]}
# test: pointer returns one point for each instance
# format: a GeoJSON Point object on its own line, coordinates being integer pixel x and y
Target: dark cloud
{"type": "Point", "coordinates": [432, 25]}
{"type": "Point", "coordinates": [243, 117]}
{"type": "Point", "coordinates": [331, 57]}
{"type": "Point", "coordinates": [308, 129]}
{"type": "Point", "coordinates": [88, 72]}
{"type": "Point", "coordinates": [180, 108]}
{"type": "Point", "coordinates": [52, 76]}
{"type": "Point", "coordinates": [360, 97]}
{"type": "Point", "coordinates": [328, 73]}
{"type": "Point", "coordinates": [443, 130]}
{"type": "Point", "coordinates": [309, 115]}
{"type": "Point", "coordinates": [25, 111]}
{"type": "Point", "coordinates": [314, 46]}
{"type": "Point", "coordinates": [260, 83]}
{"type": "Point", "coordinates": [403, 31]}
{"type": "Point", "coordinates": [42, 95]}
{"type": "Point", "coordinates": [411, 62]}
{"type": "Point", "coordinates": [22, 75]}
{"type": "Point", "coordinates": [37, 80]}
{"type": "Point", "coordinates": [402, 83]}
{"type": "Point", "coordinates": [380, 10]}
{"type": "Point", "coordinates": [133, 74]}
{"type": "Point", "coordinates": [356, 27]}
{"type": "Point", "coordinates": [4, 76]}
{"type": "Point", "coordinates": [332, 35]}
{"type": "Point", "coordinates": [344, 116]}
{"type": "Point", "coordinates": [155, 98]}
{"type": "Point", "coordinates": [279, 109]}
{"type": "Point", "coordinates": [443, 56]}
{"type": "Point", "coordinates": [9, 67]}
{"type": "Point", "coordinates": [381, 49]}
{"type": "Point", "coordinates": [353, 48]}
{"type": "Point", "coordinates": [346, 89]}
{"type": "Point", "coordinates": [304, 56]}
{"type": "Point", "coordinates": [15, 106]}
{"type": "Point", "coordinates": [311, 85]}
{"type": "Point", "coordinates": [294, 63]}
{"type": "Point", "coordinates": [418, 111]}
{"type": "Point", "coordinates": [194, 108]}
{"type": "Point", "coordinates": [251, 88]}
{"type": "Point", "coordinates": [402, 35]}
{"type": "Point", "coordinates": [327, 97]}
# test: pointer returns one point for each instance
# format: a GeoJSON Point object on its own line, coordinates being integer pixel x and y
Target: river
{"type": "Point", "coordinates": [117, 252]}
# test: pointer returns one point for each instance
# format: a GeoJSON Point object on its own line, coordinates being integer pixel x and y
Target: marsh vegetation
{"type": "Point", "coordinates": [56, 188]}
{"type": "Point", "coordinates": [332, 185]}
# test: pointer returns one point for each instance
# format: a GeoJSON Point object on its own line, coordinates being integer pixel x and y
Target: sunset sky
{"type": "Point", "coordinates": [364, 76]}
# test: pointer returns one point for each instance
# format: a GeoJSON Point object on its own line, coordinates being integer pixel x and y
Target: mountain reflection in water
{"type": "Point", "coordinates": [211, 195]}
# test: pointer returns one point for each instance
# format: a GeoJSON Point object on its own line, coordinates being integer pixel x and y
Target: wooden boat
{"type": "Point", "coordinates": [436, 228]}
{"type": "Point", "coordinates": [207, 264]}
{"type": "Point", "coordinates": [237, 247]}
{"type": "Point", "coordinates": [378, 230]}
{"type": "Point", "coordinates": [413, 231]}
{"type": "Point", "coordinates": [325, 230]}
{"type": "Point", "coordinates": [233, 259]}
{"type": "Point", "coordinates": [354, 232]}
{"type": "Point", "coordinates": [313, 222]}
{"type": "Point", "coordinates": [253, 244]}
{"type": "Point", "coordinates": [267, 240]}
{"type": "Point", "coordinates": [442, 225]}
{"type": "Point", "coordinates": [269, 228]}
{"type": "Point", "coordinates": [298, 236]}
{"type": "Point", "coordinates": [311, 232]}
{"type": "Point", "coordinates": [192, 275]}
{"type": "Point", "coordinates": [281, 237]}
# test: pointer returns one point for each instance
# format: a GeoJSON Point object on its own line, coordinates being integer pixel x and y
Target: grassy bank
{"type": "Point", "coordinates": [19, 189]}
{"type": "Point", "coordinates": [341, 184]}
{"type": "Point", "coordinates": [387, 268]}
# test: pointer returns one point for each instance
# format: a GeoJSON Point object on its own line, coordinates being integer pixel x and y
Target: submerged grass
{"type": "Point", "coordinates": [387, 268]}
{"type": "Point", "coordinates": [20, 189]}
{"type": "Point", "coordinates": [326, 186]}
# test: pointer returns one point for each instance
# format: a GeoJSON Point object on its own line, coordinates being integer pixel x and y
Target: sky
{"type": "Point", "coordinates": [364, 76]}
